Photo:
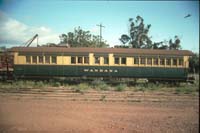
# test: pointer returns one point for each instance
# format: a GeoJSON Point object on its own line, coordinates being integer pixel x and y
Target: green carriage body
{"type": "Point", "coordinates": [121, 63]}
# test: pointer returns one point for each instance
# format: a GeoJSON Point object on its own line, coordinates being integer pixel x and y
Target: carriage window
{"type": "Point", "coordinates": [123, 60]}
{"type": "Point", "coordinates": [34, 59]}
{"type": "Point", "coordinates": [174, 62]}
{"type": "Point", "coordinates": [155, 62]}
{"type": "Point", "coordinates": [106, 60]}
{"type": "Point", "coordinates": [168, 61]}
{"type": "Point", "coordinates": [54, 60]}
{"type": "Point", "coordinates": [28, 59]}
{"type": "Point", "coordinates": [40, 59]}
{"type": "Point", "coordinates": [162, 61]}
{"type": "Point", "coordinates": [142, 60]}
{"type": "Point", "coordinates": [80, 60]}
{"type": "Point", "coordinates": [136, 60]}
{"type": "Point", "coordinates": [180, 62]}
{"type": "Point", "coordinates": [149, 61]}
{"type": "Point", "coordinates": [73, 60]}
{"type": "Point", "coordinates": [97, 60]}
{"type": "Point", "coordinates": [116, 60]}
{"type": "Point", "coordinates": [86, 60]}
{"type": "Point", "coordinates": [47, 59]}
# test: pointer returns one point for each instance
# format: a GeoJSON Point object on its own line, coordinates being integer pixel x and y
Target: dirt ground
{"type": "Point", "coordinates": [40, 113]}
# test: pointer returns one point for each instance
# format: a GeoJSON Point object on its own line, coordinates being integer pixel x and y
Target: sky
{"type": "Point", "coordinates": [20, 20]}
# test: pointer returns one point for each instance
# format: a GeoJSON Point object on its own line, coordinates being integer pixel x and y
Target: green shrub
{"type": "Point", "coordinates": [83, 86]}
{"type": "Point", "coordinates": [120, 87]}
{"type": "Point", "coordinates": [30, 84]}
{"type": "Point", "coordinates": [178, 90]}
{"type": "Point", "coordinates": [19, 84]}
{"type": "Point", "coordinates": [152, 86]}
{"type": "Point", "coordinates": [39, 84]}
{"type": "Point", "coordinates": [185, 89]}
{"type": "Point", "coordinates": [98, 84]}
{"type": "Point", "coordinates": [103, 87]}
{"type": "Point", "coordinates": [56, 84]}
{"type": "Point", "coordinates": [140, 87]}
{"type": "Point", "coordinates": [7, 87]}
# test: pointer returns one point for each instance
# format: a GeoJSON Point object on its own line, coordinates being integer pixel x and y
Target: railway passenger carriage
{"type": "Point", "coordinates": [101, 62]}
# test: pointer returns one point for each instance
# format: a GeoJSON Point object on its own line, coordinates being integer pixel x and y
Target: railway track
{"type": "Point", "coordinates": [94, 95]}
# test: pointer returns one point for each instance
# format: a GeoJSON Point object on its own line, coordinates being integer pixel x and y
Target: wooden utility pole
{"type": "Point", "coordinates": [101, 26]}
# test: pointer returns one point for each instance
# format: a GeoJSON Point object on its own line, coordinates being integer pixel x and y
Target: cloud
{"type": "Point", "coordinates": [15, 33]}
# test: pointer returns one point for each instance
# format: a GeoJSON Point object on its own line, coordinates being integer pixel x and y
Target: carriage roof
{"type": "Point", "coordinates": [102, 50]}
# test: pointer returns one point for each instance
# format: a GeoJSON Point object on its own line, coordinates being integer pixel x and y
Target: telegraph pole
{"type": "Point", "coordinates": [101, 26]}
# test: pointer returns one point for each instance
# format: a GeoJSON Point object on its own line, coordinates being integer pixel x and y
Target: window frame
{"type": "Point", "coordinates": [136, 60]}
{"type": "Point", "coordinates": [34, 59]}
{"type": "Point", "coordinates": [73, 59]}
{"type": "Point", "coordinates": [155, 61]}
{"type": "Point", "coordinates": [52, 59]}
{"type": "Point", "coordinates": [148, 58]}
{"type": "Point", "coordinates": [47, 61]}
{"type": "Point", "coordinates": [180, 62]}
{"type": "Point", "coordinates": [106, 60]}
{"type": "Point", "coordinates": [86, 60]}
{"type": "Point", "coordinates": [80, 58]}
{"type": "Point", "coordinates": [40, 59]}
{"type": "Point", "coordinates": [162, 61]}
{"type": "Point", "coordinates": [96, 60]}
{"type": "Point", "coordinates": [116, 63]}
{"type": "Point", "coordinates": [123, 60]}
{"type": "Point", "coordinates": [27, 62]}
{"type": "Point", "coordinates": [142, 60]}
{"type": "Point", "coordinates": [168, 62]}
{"type": "Point", "coordinates": [174, 59]}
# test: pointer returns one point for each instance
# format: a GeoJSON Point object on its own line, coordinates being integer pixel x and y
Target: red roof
{"type": "Point", "coordinates": [100, 50]}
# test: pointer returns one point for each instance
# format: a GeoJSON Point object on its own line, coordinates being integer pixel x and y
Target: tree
{"type": "Point", "coordinates": [124, 38]}
{"type": "Point", "coordinates": [138, 37]}
{"type": "Point", "coordinates": [194, 63]}
{"type": "Point", "coordinates": [138, 34]}
{"type": "Point", "coordinates": [63, 38]}
{"type": "Point", "coordinates": [176, 44]}
{"type": "Point", "coordinates": [81, 38]}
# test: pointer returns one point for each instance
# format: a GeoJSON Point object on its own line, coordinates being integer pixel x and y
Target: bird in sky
{"type": "Point", "coordinates": [187, 16]}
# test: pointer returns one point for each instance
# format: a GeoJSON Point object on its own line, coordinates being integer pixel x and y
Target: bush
{"type": "Point", "coordinates": [7, 87]}
{"type": "Point", "coordinates": [19, 84]}
{"type": "Point", "coordinates": [39, 84]}
{"type": "Point", "coordinates": [187, 89]}
{"type": "Point", "coordinates": [56, 84]}
{"type": "Point", "coordinates": [83, 86]}
{"type": "Point", "coordinates": [30, 84]}
{"type": "Point", "coordinates": [140, 87]}
{"type": "Point", "coordinates": [103, 87]}
{"type": "Point", "coordinates": [152, 86]}
{"type": "Point", "coordinates": [98, 84]}
{"type": "Point", "coordinates": [120, 87]}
